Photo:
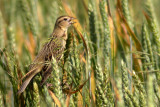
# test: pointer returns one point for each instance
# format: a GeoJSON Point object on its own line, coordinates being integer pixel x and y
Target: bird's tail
{"type": "Point", "coordinates": [27, 78]}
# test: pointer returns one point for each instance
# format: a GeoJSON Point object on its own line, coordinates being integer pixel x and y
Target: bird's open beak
{"type": "Point", "coordinates": [72, 20]}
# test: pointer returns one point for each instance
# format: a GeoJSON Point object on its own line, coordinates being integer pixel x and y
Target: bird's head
{"type": "Point", "coordinates": [64, 22]}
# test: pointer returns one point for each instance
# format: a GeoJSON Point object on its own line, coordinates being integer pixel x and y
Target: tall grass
{"type": "Point", "coordinates": [109, 61]}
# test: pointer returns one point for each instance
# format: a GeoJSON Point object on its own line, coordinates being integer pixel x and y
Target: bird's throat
{"type": "Point", "coordinates": [60, 32]}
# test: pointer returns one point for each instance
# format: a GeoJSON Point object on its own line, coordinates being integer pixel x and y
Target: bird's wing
{"type": "Point", "coordinates": [46, 74]}
{"type": "Point", "coordinates": [54, 48]}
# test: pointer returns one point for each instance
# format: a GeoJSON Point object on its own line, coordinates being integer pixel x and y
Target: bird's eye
{"type": "Point", "coordinates": [65, 19]}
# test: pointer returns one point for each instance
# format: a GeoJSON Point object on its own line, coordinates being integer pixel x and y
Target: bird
{"type": "Point", "coordinates": [54, 48]}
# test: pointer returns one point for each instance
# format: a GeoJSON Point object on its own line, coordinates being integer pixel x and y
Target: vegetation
{"type": "Point", "coordinates": [112, 56]}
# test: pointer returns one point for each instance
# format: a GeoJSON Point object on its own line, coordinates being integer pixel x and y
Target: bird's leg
{"type": "Point", "coordinates": [49, 85]}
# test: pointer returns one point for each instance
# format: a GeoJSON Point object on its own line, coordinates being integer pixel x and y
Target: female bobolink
{"type": "Point", "coordinates": [53, 48]}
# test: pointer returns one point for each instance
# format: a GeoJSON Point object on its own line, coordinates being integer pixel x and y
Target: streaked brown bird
{"type": "Point", "coordinates": [54, 48]}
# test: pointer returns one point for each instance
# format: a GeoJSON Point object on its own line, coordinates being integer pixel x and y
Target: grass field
{"type": "Point", "coordinates": [112, 56]}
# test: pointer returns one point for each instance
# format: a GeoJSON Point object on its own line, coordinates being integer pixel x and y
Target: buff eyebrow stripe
{"type": "Point", "coordinates": [60, 21]}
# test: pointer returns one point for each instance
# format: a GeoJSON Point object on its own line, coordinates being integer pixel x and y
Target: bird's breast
{"type": "Point", "coordinates": [65, 37]}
